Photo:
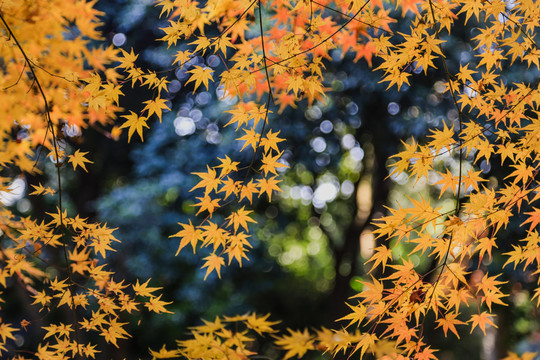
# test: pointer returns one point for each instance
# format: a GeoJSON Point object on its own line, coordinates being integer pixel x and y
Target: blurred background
{"type": "Point", "coordinates": [311, 243]}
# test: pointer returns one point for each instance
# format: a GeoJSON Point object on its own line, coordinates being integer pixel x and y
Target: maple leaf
{"type": "Point", "coordinates": [515, 256]}
{"type": "Point", "coordinates": [357, 316]}
{"type": "Point", "coordinates": [251, 138]}
{"type": "Point", "coordinates": [163, 353]}
{"type": "Point", "coordinates": [213, 262]}
{"type": "Point", "coordinates": [182, 57]}
{"type": "Point", "coordinates": [367, 342]}
{"type": "Point", "coordinates": [481, 320]}
{"type": "Point", "coordinates": [200, 75]}
{"type": "Point", "coordinates": [405, 156]}
{"type": "Point", "coordinates": [101, 246]}
{"type": "Point", "coordinates": [113, 92]}
{"type": "Point", "coordinates": [523, 172]}
{"type": "Point", "coordinates": [156, 305]}
{"type": "Point", "coordinates": [485, 244]}
{"type": "Point", "coordinates": [269, 185]}
{"type": "Point", "coordinates": [507, 150]}
{"type": "Point", "coordinates": [295, 83]}
{"type": "Point", "coordinates": [270, 141]}
{"type": "Point", "coordinates": [404, 271]}
{"type": "Point", "coordinates": [237, 248]}
{"type": "Point", "coordinates": [58, 218]}
{"type": "Point", "coordinates": [209, 182]}
{"type": "Point", "coordinates": [471, 179]}
{"type": "Point", "coordinates": [381, 255]}
{"type": "Point", "coordinates": [296, 343]}
{"type": "Point", "coordinates": [207, 203]}
{"type": "Point", "coordinates": [188, 235]}
{"type": "Point", "coordinates": [6, 332]}
{"type": "Point", "coordinates": [227, 165]}
{"type": "Point", "coordinates": [442, 138]}
{"type": "Point", "coordinates": [260, 324]}
{"type": "Point", "coordinates": [240, 218]}
{"type": "Point", "coordinates": [247, 191]}
{"type": "Point", "coordinates": [397, 77]}
{"type": "Point", "coordinates": [214, 235]}
{"type": "Point", "coordinates": [223, 42]}
{"type": "Point", "coordinates": [114, 332]}
{"type": "Point", "coordinates": [448, 181]}
{"type": "Point", "coordinates": [271, 164]}
{"type": "Point", "coordinates": [93, 85]}
{"type": "Point", "coordinates": [534, 218]}
{"type": "Point", "coordinates": [202, 43]}
{"type": "Point", "coordinates": [41, 298]}
{"type": "Point", "coordinates": [230, 186]}
{"type": "Point", "coordinates": [156, 106]}
{"type": "Point", "coordinates": [426, 354]}
{"type": "Point", "coordinates": [150, 79]}
{"type": "Point", "coordinates": [78, 159]}
{"type": "Point", "coordinates": [143, 289]}
{"type": "Point", "coordinates": [134, 123]}
{"type": "Point", "coordinates": [127, 60]}
{"type": "Point", "coordinates": [449, 322]}
{"type": "Point", "coordinates": [41, 190]}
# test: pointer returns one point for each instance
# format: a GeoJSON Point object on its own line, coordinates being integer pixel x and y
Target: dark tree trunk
{"type": "Point", "coordinates": [374, 139]}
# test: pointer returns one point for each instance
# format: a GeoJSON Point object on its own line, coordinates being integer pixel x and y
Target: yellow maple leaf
{"type": "Point", "coordinates": [358, 314]}
{"type": "Point", "coordinates": [6, 332]}
{"type": "Point", "coordinates": [227, 165]}
{"type": "Point", "coordinates": [270, 141]}
{"type": "Point", "coordinates": [240, 218]}
{"type": "Point", "coordinates": [297, 343]}
{"type": "Point", "coordinates": [158, 306]}
{"type": "Point", "coordinates": [182, 57]}
{"type": "Point", "coordinates": [189, 235]}
{"type": "Point", "coordinates": [213, 262]}
{"type": "Point", "coordinates": [448, 181]}
{"type": "Point", "coordinates": [143, 289]}
{"type": "Point", "coordinates": [134, 123]}
{"type": "Point", "coordinates": [42, 298]}
{"type": "Point", "coordinates": [209, 182]}
{"type": "Point", "coordinates": [207, 203]}
{"type": "Point", "coordinates": [251, 137]}
{"type": "Point", "coordinates": [93, 85]}
{"type": "Point", "coordinates": [203, 43]}
{"type": "Point", "coordinates": [78, 159]}
{"type": "Point", "coordinates": [271, 164]}
{"type": "Point", "coordinates": [200, 75]}
{"type": "Point", "coordinates": [127, 60]}
{"type": "Point", "coordinates": [260, 324]}
{"type": "Point", "coordinates": [41, 190]}
{"type": "Point", "coordinates": [163, 353]}
{"type": "Point", "coordinates": [268, 185]}
{"type": "Point", "coordinates": [247, 191]}
{"type": "Point", "coordinates": [156, 106]}
{"type": "Point", "coordinates": [380, 255]}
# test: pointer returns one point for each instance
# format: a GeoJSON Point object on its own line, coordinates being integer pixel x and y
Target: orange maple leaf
{"type": "Point", "coordinates": [449, 322]}
{"type": "Point", "coordinates": [481, 320]}
{"type": "Point", "coordinates": [534, 218]}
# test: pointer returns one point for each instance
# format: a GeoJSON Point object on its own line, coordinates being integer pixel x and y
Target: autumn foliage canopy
{"type": "Point", "coordinates": [58, 74]}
